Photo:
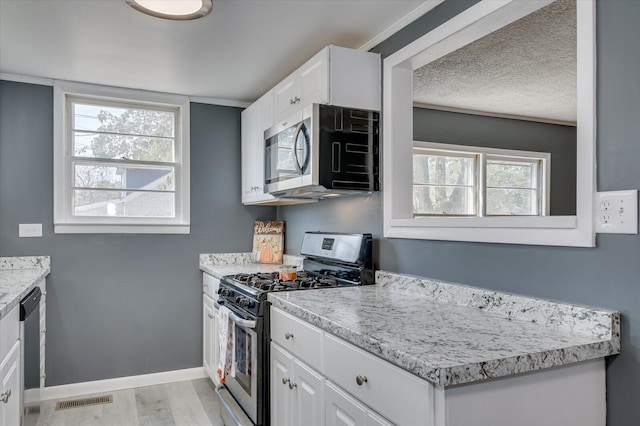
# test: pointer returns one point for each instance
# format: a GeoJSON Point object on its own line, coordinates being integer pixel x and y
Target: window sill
{"type": "Point", "coordinates": [120, 229]}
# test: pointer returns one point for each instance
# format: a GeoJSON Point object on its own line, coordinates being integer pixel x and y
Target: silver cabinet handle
{"type": "Point", "coordinates": [5, 396]}
{"type": "Point", "coordinates": [44, 330]}
{"type": "Point", "coordinates": [210, 316]}
{"type": "Point", "coordinates": [44, 376]}
{"type": "Point", "coordinates": [296, 100]}
{"type": "Point", "coordinates": [285, 380]}
{"type": "Point", "coordinates": [292, 385]}
{"type": "Point", "coordinates": [288, 336]}
{"type": "Point", "coordinates": [361, 379]}
{"type": "Point", "coordinates": [291, 102]}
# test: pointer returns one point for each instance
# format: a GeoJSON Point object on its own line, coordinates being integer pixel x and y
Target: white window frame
{"type": "Point", "coordinates": [470, 25]}
{"type": "Point", "coordinates": [481, 155]}
{"type": "Point", "coordinates": [64, 221]}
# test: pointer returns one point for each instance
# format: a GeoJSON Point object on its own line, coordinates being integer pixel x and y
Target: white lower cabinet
{"type": "Point", "coordinates": [349, 386]}
{"type": "Point", "coordinates": [296, 391]}
{"type": "Point", "coordinates": [10, 392]}
{"type": "Point", "coordinates": [210, 354]}
{"type": "Point", "coordinates": [343, 410]}
{"type": "Point", "coordinates": [209, 338]}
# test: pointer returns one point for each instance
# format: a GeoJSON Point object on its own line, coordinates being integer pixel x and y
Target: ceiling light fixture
{"type": "Point", "coordinates": [178, 10]}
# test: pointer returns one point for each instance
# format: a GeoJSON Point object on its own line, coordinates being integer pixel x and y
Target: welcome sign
{"type": "Point", "coordinates": [268, 241]}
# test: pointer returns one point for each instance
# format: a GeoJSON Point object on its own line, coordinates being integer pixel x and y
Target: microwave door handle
{"type": "Point", "coordinates": [301, 167]}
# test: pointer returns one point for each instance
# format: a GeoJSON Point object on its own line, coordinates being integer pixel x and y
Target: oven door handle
{"type": "Point", "coordinates": [240, 322]}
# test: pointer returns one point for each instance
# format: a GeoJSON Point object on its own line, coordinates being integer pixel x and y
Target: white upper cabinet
{"type": "Point", "coordinates": [336, 76]}
{"type": "Point", "coordinates": [257, 118]}
{"type": "Point", "coordinates": [305, 86]}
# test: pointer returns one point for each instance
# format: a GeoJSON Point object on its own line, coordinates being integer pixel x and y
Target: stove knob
{"type": "Point", "coordinates": [224, 292]}
{"type": "Point", "coordinates": [245, 303]}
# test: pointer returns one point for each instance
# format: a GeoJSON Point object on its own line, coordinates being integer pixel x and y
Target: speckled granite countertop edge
{"type": "Point", "coordinates": [18, 276]}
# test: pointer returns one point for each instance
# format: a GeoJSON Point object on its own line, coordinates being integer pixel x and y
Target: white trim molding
{"type": "Point", "coordinates": [18, 78]}
{"type": "Point", "coordinates": [119, 383]}
{"type": "Point", "coordinates": [401, 23]}
{"type": "Point", "coordinates": [470, 25]}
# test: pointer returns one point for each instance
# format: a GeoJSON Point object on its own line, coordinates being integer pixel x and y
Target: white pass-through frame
{"type": "Point", "coordinates": [472, 24]}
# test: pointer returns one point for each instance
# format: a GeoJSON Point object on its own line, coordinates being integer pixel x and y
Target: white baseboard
{"type": "Point", "coordinates": [31, 396]}
{"type": "Point", "coordinates": [120, 383]}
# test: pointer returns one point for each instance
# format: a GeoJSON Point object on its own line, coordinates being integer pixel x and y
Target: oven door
{"type": "Point", "coordinates": [288, 153]}
{"type": "Point", "coordinates": [243, 386]}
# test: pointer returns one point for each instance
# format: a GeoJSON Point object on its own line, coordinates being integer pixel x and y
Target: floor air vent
{"type": "Point", "coordinates": [83, 402]}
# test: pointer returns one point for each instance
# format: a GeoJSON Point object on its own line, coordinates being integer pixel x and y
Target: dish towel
{"type": "Point", "coordinates": [225, 344]}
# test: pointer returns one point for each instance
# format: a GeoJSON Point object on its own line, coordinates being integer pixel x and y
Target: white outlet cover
{"type": "Point", "coordinates": [29, 230]}
{"type": "Point", "coordinates": [616, 212]}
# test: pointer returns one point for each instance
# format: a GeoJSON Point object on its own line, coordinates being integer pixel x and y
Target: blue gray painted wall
{"type": "Point", "coordinates": [120, 305]}
{"type": "Point", "coordinates": [606, 276]}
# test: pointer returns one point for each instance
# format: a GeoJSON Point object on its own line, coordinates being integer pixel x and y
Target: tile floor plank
{"type": "Point", "coordinates": [185, 405]}
{"type": "Point", "coordinates": [153, 407]}
{"type": "Point", "coordinates": [205, 390]}
{"type": "Point", "coordinates": [122, 411]}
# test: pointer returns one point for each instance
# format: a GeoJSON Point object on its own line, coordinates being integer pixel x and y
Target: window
{"type": "Point", "coordinates": [121, 161]}
{"type": "Point", "coordinates": [473, 181]}
{"type": "Point", "coordinates": [484, 17]}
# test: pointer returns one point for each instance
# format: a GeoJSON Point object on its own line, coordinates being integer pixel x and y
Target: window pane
{"type": "Point", "coordinates": [440, 200]}
{"type": "Point", "coordinates": [127, 177]}
{"type": "Point", "coordinates": [443, 170]}
{"type": "Point", "coordinates": [512, 174]}
{"type": "Point", "coordinates": [123, 203]}
{"type": "Point", "coordinates": [507, 202]}
{"type": "Point", "coordinates": [104, 145]}
{"type": "Point", "coordinates": [133, 121]}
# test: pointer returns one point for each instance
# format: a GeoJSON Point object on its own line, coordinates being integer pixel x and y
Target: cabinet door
{"type": "Point", "coordinates": [341, 409]}
{"type": "Point", "coordinates": [10, 393]}
{"type": "Point", "coordinates": [281, 395]}
{"type": "Point", "coordinates": [308, 403]}
{"type": "Point", "coordinates": [207, 336]}
{"type": "Point", "coordinates": [248, 154]}
{"type": "Point", "coordinates": [314, 80]}
{"type": "Point", "coordinates": [375, 420]}
{"type": "Point", "coordinates": [257, 118]}
{"type": "Point", "coordinates": [215, 355]}
{"type": "Point", "coordinates": [284, 97]}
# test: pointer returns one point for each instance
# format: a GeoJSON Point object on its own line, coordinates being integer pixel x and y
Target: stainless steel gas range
{"type": "Point", "coordinates": [329, 260]}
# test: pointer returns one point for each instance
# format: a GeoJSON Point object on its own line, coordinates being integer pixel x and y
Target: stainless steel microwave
{"type": "Point", "coordinates": [323, 151]}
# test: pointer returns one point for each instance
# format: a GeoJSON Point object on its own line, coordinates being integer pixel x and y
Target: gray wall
{"type": "Point", "coordinates": [607, 276]}
{"type": "Point", "coordinates": [491, 132]}
{"type": "Point", "coordinates": [120, 305]}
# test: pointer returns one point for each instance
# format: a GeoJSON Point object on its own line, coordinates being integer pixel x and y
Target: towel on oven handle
{"type": "Point", "coordinates": [226, 361]}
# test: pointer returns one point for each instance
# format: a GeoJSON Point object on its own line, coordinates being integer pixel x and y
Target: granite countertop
{"type": "Point", "coordinates": [452, 334]}
{"type": "Point", "coordinates": [18, 276]}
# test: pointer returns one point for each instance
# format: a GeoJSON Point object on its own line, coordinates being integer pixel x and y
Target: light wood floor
{"type": "Point", "coordinates": [188, 403]}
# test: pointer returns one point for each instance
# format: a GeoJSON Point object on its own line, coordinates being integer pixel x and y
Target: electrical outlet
{"type": "Point", "coordinates": [616, 212]}
{"type": "Point", "coordinates": [30, 230]}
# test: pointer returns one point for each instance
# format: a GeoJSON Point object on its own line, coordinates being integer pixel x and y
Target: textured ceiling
{"type": "Point", "coordinates": [527, 68]}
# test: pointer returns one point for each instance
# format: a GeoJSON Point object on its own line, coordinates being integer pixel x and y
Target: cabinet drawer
{"type": "Point", "coordinates": [9, 331]}
{"type": "Point", "coordinates": [210, 286]}
{"type": "Point", "coordinates": [299, 338]}
{"type": "Point", "coordinates": [394, 393]}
